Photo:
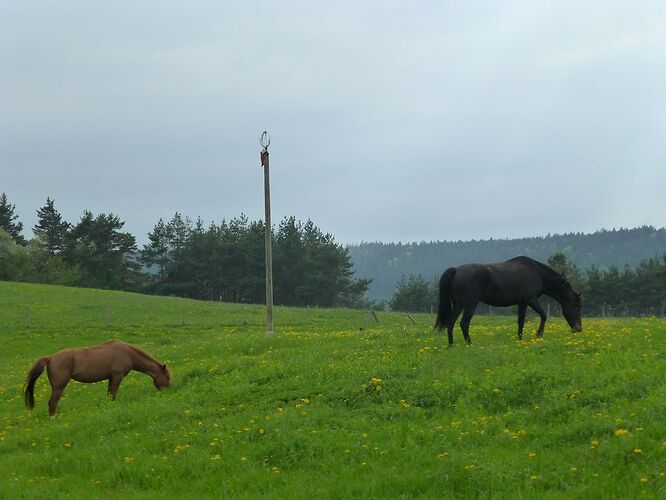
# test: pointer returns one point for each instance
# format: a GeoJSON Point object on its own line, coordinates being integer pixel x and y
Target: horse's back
{"type": "Point", "coordinates": [91, 364]}
{"type": "Point", "coordinates": [499, 284]}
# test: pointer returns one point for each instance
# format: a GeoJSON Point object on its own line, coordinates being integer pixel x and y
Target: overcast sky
{"type": "Point", "coordinates": [390, 121]}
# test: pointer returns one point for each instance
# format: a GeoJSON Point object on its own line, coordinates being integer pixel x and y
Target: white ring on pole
{"type": "Point", "coordinates": [265, 140]}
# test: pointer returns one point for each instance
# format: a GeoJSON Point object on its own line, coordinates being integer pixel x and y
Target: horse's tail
{"type": "Point", "coordinates": [445, 299]}
{"type": "Point", "coordinates": [30, 380]}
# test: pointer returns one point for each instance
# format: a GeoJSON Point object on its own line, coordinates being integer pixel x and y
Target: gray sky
{"type": "Point", "coordinates": [389, 120]}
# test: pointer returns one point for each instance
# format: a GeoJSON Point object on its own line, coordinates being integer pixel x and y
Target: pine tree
{"type": "Point", "coordinates": [51, 227]}
{"type": "Point", "coordinates": [9, 222]}
{"type": "Point", "coordinates": [157, 251]}
{"type": "Point", "coordinates": [414, 294]}
{"type": "Point", "coordinates": [102, 253]}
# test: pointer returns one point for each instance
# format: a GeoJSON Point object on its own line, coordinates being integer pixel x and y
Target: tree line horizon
{"type": "Point", "coordinates": [225, 261]}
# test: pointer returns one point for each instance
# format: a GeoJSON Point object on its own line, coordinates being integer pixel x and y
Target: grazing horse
{"type": "Point", "coordinates": [110, 361]}
{"type": "Point", "coordinates": [520, 281]}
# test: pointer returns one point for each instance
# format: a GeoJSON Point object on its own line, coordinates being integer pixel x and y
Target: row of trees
{"type": "Point", "coordinates": [226, 261]}
{"type": "Point", "coordinates": [92, 253]}
{"type": "Point", "coordinates": [223, 261]}
{"type": "Point", "coordinates": [639, 290]}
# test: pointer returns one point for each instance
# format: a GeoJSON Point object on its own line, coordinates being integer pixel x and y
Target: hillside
{"type": "Point", "coordinates": [333, 405]}
{"type": "Point", "coordinates": [387, 263]}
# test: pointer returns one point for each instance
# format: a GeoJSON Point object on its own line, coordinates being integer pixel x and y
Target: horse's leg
{"type": "Point", "coordinates": [56, 392]}
{"type": "Point", "coordinates": [534, 304]}
{"type": "Point", "coordinates": [114, 384]}
{"type": "Point", "coordinates": [58, 378]}
{"type": "Point", "coordinates": [466, 320]}
{"type": "Point", "coordinates": [452, 322]}
{"type": "Point", "coordinates": [522, 309]}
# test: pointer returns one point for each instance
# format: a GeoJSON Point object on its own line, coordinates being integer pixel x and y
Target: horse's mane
{"type": "Point", "coordinates": [550, 276]}
{"type": "Point", "coordinates": [142, 353]}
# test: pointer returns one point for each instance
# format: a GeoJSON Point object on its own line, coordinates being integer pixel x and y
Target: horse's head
{"type": "Point", "coordinates": [162, 378]}
{"type": "Point", "coordinates": [572, 304]}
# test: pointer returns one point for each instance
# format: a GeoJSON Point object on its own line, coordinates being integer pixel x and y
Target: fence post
{"type": "Point", "coordinates": [27, 318]}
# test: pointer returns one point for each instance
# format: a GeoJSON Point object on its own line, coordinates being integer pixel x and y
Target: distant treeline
{"type": "Point", "coordinates": [613, 291]}
{"type": "Point", "coordinates": [388, 263]}
{"type": "Point", "coordinates": [224, 261]}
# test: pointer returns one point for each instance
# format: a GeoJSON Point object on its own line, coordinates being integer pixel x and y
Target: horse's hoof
{"type": "Point", "coordinates": [450, 345]}
{"type": "Point", "coordinates": [539, 335]}
{"type": "Point", "coordinates": [52, 417]}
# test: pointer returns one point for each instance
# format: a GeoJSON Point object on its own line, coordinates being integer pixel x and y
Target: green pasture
{"type": "Point", "coordinates": [333, 405]}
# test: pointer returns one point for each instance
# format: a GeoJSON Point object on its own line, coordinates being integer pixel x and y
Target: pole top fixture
{"type": "Point", "coordinates": [265, 140]}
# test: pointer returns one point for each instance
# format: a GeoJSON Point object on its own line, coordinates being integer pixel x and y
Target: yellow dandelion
{"type": "Point", "coordinates": [638, 451]}
{"type": "Point", "coordinates": [644, 480]}
{"type": "Point", "coordinates": [621, 432]}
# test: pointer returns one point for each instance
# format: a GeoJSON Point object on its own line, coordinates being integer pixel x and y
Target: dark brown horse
{"type": "Point", "coordinates": [110, 361]}
{"type": "Point", "coordinates": [519, 281]}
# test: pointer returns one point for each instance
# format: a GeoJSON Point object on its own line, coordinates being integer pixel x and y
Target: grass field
{"type": "Point", "coordinates": [324, 409]}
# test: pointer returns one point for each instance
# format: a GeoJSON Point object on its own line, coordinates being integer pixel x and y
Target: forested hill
{"type": "Point", "coordinates": [387, 263]}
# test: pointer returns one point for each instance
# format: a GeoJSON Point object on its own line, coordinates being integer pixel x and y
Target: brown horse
{"type": "Point", "coordinates": [110, 361]}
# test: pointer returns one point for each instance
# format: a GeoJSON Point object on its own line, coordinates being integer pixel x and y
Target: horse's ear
{"type": "Point", "coordinates": [164, 367]}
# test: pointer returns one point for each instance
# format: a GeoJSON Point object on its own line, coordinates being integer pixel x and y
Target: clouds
{"type": "Point", "coordinates": [392, 122]}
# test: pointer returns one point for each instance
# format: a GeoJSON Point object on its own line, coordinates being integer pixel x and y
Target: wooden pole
{"type": "Point", "coordinates": [265, 142]}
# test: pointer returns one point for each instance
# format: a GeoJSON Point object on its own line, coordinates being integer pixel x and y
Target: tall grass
{"type": "Point", "coordinates": [333, 405]}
